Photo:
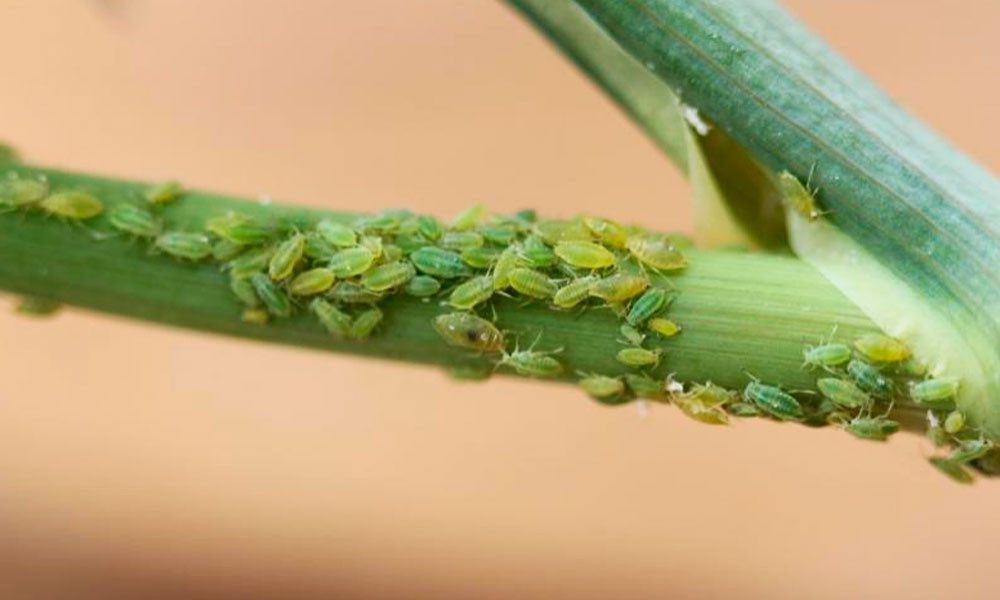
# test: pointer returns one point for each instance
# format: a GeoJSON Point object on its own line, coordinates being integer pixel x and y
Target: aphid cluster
{"type": "Point", "coordinates": [18, 193]}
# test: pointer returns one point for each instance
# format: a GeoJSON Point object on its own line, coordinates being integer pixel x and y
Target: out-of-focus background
{"type": "Point", "coordinates": [138, 461]}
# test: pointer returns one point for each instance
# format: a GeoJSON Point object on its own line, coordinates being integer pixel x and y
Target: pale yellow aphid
{"type": "Point", "coordinates": [663, 326]}
{"type": "Point", "coordinates": [256, 316]}
{"type": "Point", "coordinates": [656, 251]}
{"type": "Point", "coordinates": [585, 255]}
{"type": "Point", "coordinates": [801, 198]}
{"type": "Point", "coordinates": [609, 232]}
{"type": "Point", "coordinates": [704, 403]}
{"type": "Point", "coordinates": [882, 348]}
{"type": "Point", "coordinates": [72, 205]}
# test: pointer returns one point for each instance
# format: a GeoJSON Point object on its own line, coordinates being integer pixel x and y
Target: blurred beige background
{"type": "Point", "coordinates": [140, 461]}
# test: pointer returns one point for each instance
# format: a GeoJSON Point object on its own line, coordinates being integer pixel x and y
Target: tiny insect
{"type": "Point", "coordinates": [554, 232]}
{"type": "Point", "coordinates": [645, 386]}
{"type": "Point", "coordinates": [970, 450]}
{"type": "Point", "coordinates": [647, 305]}
{"type": "Point", "coordinates": [882, 348]}
{"type": "Point", "coordinates": [313, 281]}
{"type": "Point", "coordinates": [271, 295]}
{"type": "Point", "coordinates": [33, 306]}
{"type": "Point", "coordinates": [508, 260]}
{"type": "Point", "coordinates": [618, 288]}
{"type": "Point", "coordinates": [373, 244]}
{"type": "Point", "coordinates": [934, 391]}
{"type": "Point", "coordinates": [656, 252]}
{"type": "Point", "coordinates": [574, 292]}
{"type": "Point", "coordinates": [460, 240]}
{"type": "Point", "coordinates": [133, 220]}
{"type": "Point", "coordinates": [423, 286]}
{"type": "Point", "coordinates": [388, 276]}
{"type": "Point", "coordinates": [843, 393]}
{"type": "Point", "coordinates": [471, 293]}
{"type": "Point", "coordinates": [239, 229]}
{"type": "Point", "coordinates": [914, 367]}
{"type": "Point", "coordinates": [351, 262]}
{"type": "Point", "coordinates": [410, 243]}
{"type": "Point", "coordinates": [317, 248]}
{"type": "Point", "coordinates": [639, 357]}
{"type": "Point", "coordinates": [384, 222]}
{"type": "Point", "coordinates": [350, 292]}
{"type": "Point", "coordinates": [663, 326]}
{"type": "Point", "coordinates": [584, 255]}
{"type": "Point", "coordinates": [365, 323]}
{"type": "Point", "coordinates": [251, 262]}
{"type": "Point", "coordinates": [532, 363]}
{"type": "Point", "coordinates": [608, 390]}
{"type": "Point", "coordinates": [164, 193]}
{"type": "Point", "coordinates": [244, 291]}
{"type": "Point", "coordinates": [704, 403]}
{"type": "Point", "coordinates": [428, 227]}
{"type": "Point", "coordinates": [469, 331]}
{"type": "Point", "coordinates": [954, 422]}
{"type": "Point", "coordinates": [392, 252]}
{"type": "Point", "coordinates": [286, 257]}
{"type": "Point", "coordinates": [225, 251]}
{"type": "Point", "coordinates": [501, 235]}
{"type": "Point", "coordinates": [74, 205]}
{"type": "Point", "coordinates": [183, 244]}
{"type": "Point", "coordinates": [801, 198]}
{"type": "Point", "coordinates": [21, 193]}
{"type": "Point", "coordinates": [869, 378]}
{"type": "Point", "coordinates": [536, 254]}
{"type": "Point", "coordinates": [480, 258]}
{"type": "Point", "coordinates": [439, 262]}
{"type": "Point", "coordinates": [825, 355]}
{"type": "Point", "coordinates": [608, 232]}
{"type": "Point", "coordinates": [532, 283]}
{"type": "Point", "coordinates": [956, 471]}
{"type": "Point", "coordinates": [631, 335]}
{"type": "Point", "coordinates": [743, 409]}
{"type": "Point", "coordinates": [872, 428]}
{"type": "Point", "coordinates": [773, 401]}
{"type": "Point", "coordinates": [337, 234]}
{"type": "Point", "coordinates": [335, 321]}
{"type": "Point", "coordinates": [468, 218]}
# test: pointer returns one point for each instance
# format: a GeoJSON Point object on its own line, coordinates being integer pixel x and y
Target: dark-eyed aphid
{"type": "Point", "coordinates": [271, 295]}
{"type": "Point", "coordinates": [656, 252]}
{"type": "Point", "coordinates": [255, 316]}
{"type": "Point", "coordinates": [351, 262]}
{"type": "Point", "coordinates": [480, 258]}
{"type": "Point", "coordinates": [584, 255]}
{"type": "Point", "coordinates": [388, 276]}
{"type": "Point", "coordinates": [882, 348]}
{"type": "Point", "coordinates": [799, 196]}
{"type": "Point", "coordinates": [365, 323]}
{"type": "Point", "coordinates": [317, 248]}
{"type": "Point", "coordinates": [423, 286]}
{"type": "Point", "coordinates": [843, 393]}
{"type": "Point", "coordinates": [608, 232]}
{"type": "Point", "coordinates": [970, 450]}
{"type": "Point", "coordinates": [871, 428]}
{"type": "Point", "coordinates": [956, 471]}
{"type": "Point", "coordinates": [251, 262]}
{"type": "Point", "coordinates": [349, 292]}
{"type": "Point", "coordinates": [508, 260]}
{"type": "Point", "coordinates": [335, 321]}
{"type": "Point", "coordinates": [618, 288]}
{"type": "Point", "coordinates": [469, 331]}
{"type": "Point", "coordinates": [33, 306]}
{"type": "Point", "coordinates": [337, 234]}
{"type": "Point", "coordinates": [22, 193]}
{"type": "Point", "coordinates": [225, 251]}
{"type": "Point", "coordinates": [468, 218]}
{"type": "Point", "coordinates": [647, 305]}
{"type": "Point", "coordinates": [74, 205]}
{"type": "Point", "coordinates": [954, 422]}
{"type": "Point", "coordinates": [773, 401]}
{"type": "Point", "coordinates": [574, 292]}
{"type": "Point", "coordinates": [244, 291]}
{"type": "Point", "coordinates": [644, 386]}
{"type": "Point", "coordinates": [554, 232]}
{"type": "Point", "coordinates": [460, 240]}
{"type": "Point", "coordinates": [934, 391]}
{"type": "Point", "coordinates": [869, 378]}
{"type": "Point", "coordinates": [639, 357]}
{"type": "Point", "coordinates": [428, 227]}
{"type": "Point", "coordinates": [532, 363]}
{"type": "Point", "coordinates": [133, 220]}
{"type": "Point", "coordinates": [532, 283]}
{"type": "Point", "coordinates": [605, 389]}
{"type": "Point", "coordinates": [313, 281]}
{"type": "Point", "coordinates": [286, 257]}
{"type": "Point", "coordinates": [631, 335]}
{"type": "Point", "coordinates": [536, 254]}
{"type": "Point", "coordinates": [473, 292]}
{"type": "Point", "coordinates": [182, 244]}
{"type": "Point", "coordinates": [239, 229]}
{"type": "Point", "coordinates": [663, 326]}
{"type": "Point", "coordinates": [439, 262]}
{"type": "Point", "coordinates": [164, 193]}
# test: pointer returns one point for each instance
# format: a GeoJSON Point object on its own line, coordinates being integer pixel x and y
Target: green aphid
{"type": "Point", "coordinates": [554, 232]}
{"type": "Point", "coordinates": [468, 218]}
{"type": "Point", "coordinates": [914, 367]}
{"type": "Point", "coordinates": [501, 235]}
{"type": "Point", "coordinates": [255, 316]}
{"type": "Point", "coordinates": [388, 276]}
{"type": "Point", "coordinates": [639, 357]}
{"type": "Point", "coordinates": [22, 193]}
{"type": "Point", "coordinates": [743, 409]}
{"type": "Point", "coordinates": [374, 245]}
{"type": "Point", "coordinates": [410, 243]}
{"type": "Point", "coordinates": [801, 198]}
{"type": "Point", "coordinates": [251, 262]}
{"type": "Point", "coordinates": [480, 258]}
{"type": "Point", "coordinates": [75, 205]}
{"type": "Point", "coordinates": [608, 232]}
{"type": "Point", "coordinates": [872, 428]}
{"type": "Point", "coordinates": [532, 283]}
{"type": "Point", "coordinates": [164, 193]}
{"type": "Point", "coordinates": [133, 220]}
{"type": "Point", "coordinates": [244, 291]}
{"type": "Point", "coordinates": [631, 335]}
{"type": "Point", "coordinates": [663, 326]}
{"type": "Point", "coordinates": [183, 244]}
{"type": "Point", "coordinates": [365, 323]}
{"type": "Point", "coordinates": [954, 422]}
{"type": "Point", "coordinates": [273, 297]}
{"type": "Point", "coordinates": [934, 391]}
{"type": "Point", "coordinates": [656, 252]}
{"type": "Point", "coordinates": [349, 292]}
{"type": "Point", "coordinates": [439, 262]}
{"type": "Point", "coordinates": [508, 260]}
{"type": "Point", "coordinates": [317, 248]}
{"type": "Point", "coordinates": [473, 292]}
{"type": "Point", "coordinates": [34, 306]}
{"type": "Point", "coordinates": [286, 257]}
{"type": "Point", "coordinates": [882, 348]}
{"type": "Point", "coordinates": [536, 254]}
{"type": "Point", "coordinates": [574, 292]}
{"type": "Point", "coordinates": [239, 229]}
{"type": "Point", "coordinates": [423, 286]}
{"type": "Point", "coordinates": [391, 253]}
{"type": "Point", "coordinates": [532, 363]}
{"type": "Point", "coordinates": [956, 471]}
{"type": "Point", "coordinates": [225, 251]}
{"type": "Point", "coordinates": [384, 222]}
{"type": "Point", "coordinates": [337, 234]}
{"type": "Point", "coordinates": [313, 281]}
{"type": "Point", "coordinates": [460, 241]}
{"type": "Point", "coordinates": [351, 262]}
{"type": "Point", "coordinates": [870, 379]}
{"type": "Point", "coordinates": [619, 287]}
{"type": "Point", "coordinates": [843, 393]}
{"type": "Point", "coordinates": [773, 401]}
{"type": "Point", "coordinates": [429, 227]}
{"type": "Point", "coordinates": [335, 321]}
{"type": "Point", "coordinates": [408, 226]}
{"type": "Point", "coordinates": [705, 403]}
{"type": "Point", "coordinates": [585, 255]}
{"type": "Point", "coordinates": [605, 389]}
{"type": "Point", "coordinates": [469, 331]}
{"type": "Point", "coordinates": [970, 450]}
{"type": "Point", "coordinates": [644, 386]}
{"type": "Point", "coordinates": [647, 305]}
{"type": "Point", "coordinates": [825, 355]}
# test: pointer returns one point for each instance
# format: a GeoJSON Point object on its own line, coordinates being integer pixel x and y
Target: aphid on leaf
{"type": "Point", "coordinates": [388, 276]}
{"type": "Point", "coordinates": [317, 248]}
{"type": "Point", "coordinates": [460, 240]}
{"type": "Point", "coordinates": [639, 357]}
{"type": "Point", "coordinates": [255, 316]}
{"type": "Point", "coordinates": [574, 292]}
{"type": "Point", "coordinates": [970, 450]}
{"type": "Point", "coordinates": [469, 331]}
{"type": "Point", "coordinates": [536, 253]}
{"type": "Point", "coordinates": [554, 232]}
{"type": "Point", "coordinates": [826, 355]}
{"type": "Point", "coordinates": [704, 403]}
{"type": "Point", "coordinates": [631, 335]}
{"type": "Point", "coordinates": [501, 235]}
{"type": "Point", "coordinates": [468, 218]}
{"type": "Point", "coordinates": [608, 232]}
{"type": "Point", "coordinates": [956, 471]}
{"type": "Point", "coordinates": [882, 348]}
{"type": "Point", "coordinates": [871, 428]}
{"type": "Point", "coordinates": [954, 422]}
{"type": "Point", "coordinates": [384, 222]}
{"type": "Point", "coordinates": [473, 292]}
{"type": "Point", "coordinates": [21, 193]}
{"type": "Point", "coordinates": [335, 321]}
{"type": "Point", "coordinates": [164, 193]}
{"type": "Point", "coordinates": [351, 262]}
{"type": "Point", "coordinates": [410, 243]}
{"type": "Point", "coordinates": [428, 227]}
{"type": "Point", "coordinates": [391, 252]}
{"type": "Point", "coordinates": [934, 391]}
{"type": "Point", "coordinates": [365, 323]}
{"type": "Point", "coordinates": [349, 292]}
{"type": "Point", "coordinates": [374, 245]}
{"type": "Point", "coordinates": [286, 257]}
{"type": "Point", "coordinates": [618, 288]}
{"type": "Point", "coordinates": [423, 286]}
{"type": "Point", "coordinates": [663, 326]}
{"type": "Point", "coordinates": [801, 198]}
{"type": "Point", "coordinates": [532, 363]}
{"type": "Point", "coordinates": [74, 205]}
{"type": "Point", "coordinates": [656, 252]}
{"type": "Point", "coordinates": [439, 262]}
{"type": "Point", "coordinates": [336, 234]}
{"type": "Point", "coordinates": [870, 379]}
{"type": "Point", "coordinates": [605, 389]}
{"type": "Point", "coordinates": [239, 229]}
{"type": "Point", "coordinates": [251, 262]}
{"type": "Point", "coordinates": [186, 245]}
{"type": "Point", "coordinates": [532, 283]}
{"type": "Point", "coordinates": [271, 295]}
{"type": "Point", "coordinates": [584, 255]}
{"type": "Point", "coordinates": [313, 281]}
{"type": "Point", "coordinates": [914, 367]}
{"type": "Point", "coordinates": [644, 386]}
{"type": "Point", "coordinates": [33, 306]}
{"type": "Point", "coordinates": [480, 258]}
{"type": "Point", "coordinates": [843, 393]}
{"type": "Point", "coordinates": [773, 401]}
{"type": "Point", "coordinates": [244, 291]}
{"type": "Point", "coordinates": [225, 251]}
{"type": "Point", "coordinates": [506, 262]}
{"type": "Point", "coordinates": [133, 220]}
{"type": "Point", "coordinates": [647, 305]}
